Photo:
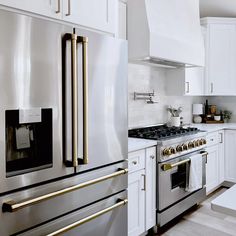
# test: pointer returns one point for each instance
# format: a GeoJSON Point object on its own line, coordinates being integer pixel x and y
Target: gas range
{"type": "Point", "coordinates": [172, 141]}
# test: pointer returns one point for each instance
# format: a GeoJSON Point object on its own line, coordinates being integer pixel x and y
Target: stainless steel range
{"type": "Point", "coordinates": [175, 148]}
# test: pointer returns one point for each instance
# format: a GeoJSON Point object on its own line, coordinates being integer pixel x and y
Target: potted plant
{"type": "Point", "coordinates": [227, 115]}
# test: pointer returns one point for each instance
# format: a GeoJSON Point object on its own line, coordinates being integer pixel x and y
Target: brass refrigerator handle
{"type": "Point", "coordinates": [168, 166]}
{"type": "Point", "coordinates": [89, 218]}
{"type": "Point", "coordinates": [84, 42]}
{"type": "Point", "coordinates": [12, 206]}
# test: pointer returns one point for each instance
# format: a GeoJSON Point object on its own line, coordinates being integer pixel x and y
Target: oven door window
{"type": "Point", "coordinates": [179, 178]}
{"type": "Point", "coordinates": [28, 145]}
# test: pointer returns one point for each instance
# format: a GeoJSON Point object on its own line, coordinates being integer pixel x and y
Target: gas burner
{"type": "Point", "coordinates": [161, 132]}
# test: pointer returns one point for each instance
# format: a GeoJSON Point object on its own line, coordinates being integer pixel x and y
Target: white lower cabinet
{"type": "Point", "coordinates": [136, 208]}
{"type": "Point", "coordinates": [215, 173]}
{"type": "Point", "coordinates": [212, 168]}
{"type": "Point", "coordinates": [141, 191]}
{"type": "Point", "coordinates": [230, 155]}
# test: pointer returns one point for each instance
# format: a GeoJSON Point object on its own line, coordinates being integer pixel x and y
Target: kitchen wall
{"type": "Point", "coordinates": [225, 103]}
{"type": "Point", "coordinates": [144, 79]}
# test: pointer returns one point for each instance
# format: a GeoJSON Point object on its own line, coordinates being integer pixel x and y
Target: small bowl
{"type": "Point", "coordinates": [217, 118]}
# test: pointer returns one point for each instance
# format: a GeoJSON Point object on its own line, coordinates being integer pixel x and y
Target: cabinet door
{"type": "Point", "coordinates": [136, 205]}
{"type": "Point", "coordinates": [150, 187]}
{"type": "Point", "coordinates": [212, 168]}
{"type": "Point", "coordinates": [221, 59]}
{"type": "Point", "coordinates": [51, 8]}
{"type": "Point", "coordinates": [194, 81]}
{"type": "Point", "coordinates": [122, 20]}
{"type": "Point", "coordinates": [100, 15]}
{"type": "Point", "coordinates": [230, 155]}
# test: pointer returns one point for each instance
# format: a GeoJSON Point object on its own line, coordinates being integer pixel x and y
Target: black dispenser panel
{"type": "Point", "coordinates": [29, 144]}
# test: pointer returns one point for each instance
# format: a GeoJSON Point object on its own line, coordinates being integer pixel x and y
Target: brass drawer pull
{"type": "Point", "coordinates": [12, 206]}
{"type": "Point", "coordinates": [89, 218]}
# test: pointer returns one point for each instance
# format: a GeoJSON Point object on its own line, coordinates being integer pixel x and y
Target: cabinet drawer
{"type": "Point", "coordinates": [136, 160]}
{"type": "Point", "coordinates": [212, 139]}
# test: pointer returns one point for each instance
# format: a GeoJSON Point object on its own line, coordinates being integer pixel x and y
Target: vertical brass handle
{"type": "Point", "coordinates": [69, 8]}
{"type": "Point", "coordinates": [84, 42]}
{"type": "Point", "coordinates": [59, 7]}
{"type": "Point", "coordinates": [74, 100]}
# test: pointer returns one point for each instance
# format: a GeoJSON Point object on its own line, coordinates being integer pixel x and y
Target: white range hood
{"type": "Point", "coordinates": [165, 32]}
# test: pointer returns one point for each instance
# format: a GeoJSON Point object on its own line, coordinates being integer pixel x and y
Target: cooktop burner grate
{"type": "Point", "coordinates": [161, 132]}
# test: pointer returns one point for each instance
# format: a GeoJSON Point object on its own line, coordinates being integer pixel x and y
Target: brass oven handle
{"type": "Point", "coordinates": [89, 218]}
{"type": "Point", "coordinates": [12, 206]}
{"type": "Point", "coordinates": [84, 42]}
{"type": "Point", "coordinates": [166, 167]}
{"type": "Point", "coordinates": [59, 7]}
{"type": "Point", "coordinates": [69, 8]}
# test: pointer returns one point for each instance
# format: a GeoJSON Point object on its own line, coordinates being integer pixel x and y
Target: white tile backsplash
{"type": "Point", "coordinates": [144, 79]}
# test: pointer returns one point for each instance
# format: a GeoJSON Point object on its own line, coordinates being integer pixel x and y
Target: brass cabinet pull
{"type": "Point", "coordinates": [89, 218]}
{"type": "Point", "coordinates": [69, 8]}
{"type": "Point", "coordinates": [59, 7]}
{"type": "Point", "coordinates": [12, 206]}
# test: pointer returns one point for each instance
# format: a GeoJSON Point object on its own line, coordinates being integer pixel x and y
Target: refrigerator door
{"type": "Point", "coordinates": [104, 218]}
{"type": "Point", "coordinates": [30, 101]}
{"type": "Point", "coordinates": [107, 63]}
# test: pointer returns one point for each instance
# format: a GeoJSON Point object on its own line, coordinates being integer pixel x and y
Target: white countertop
{"type": "Point", "coordinates": [214, 127]}
{"type": "Point", "coordinates": [226, 203]}
{"type": "Point", "coordinates": [135, 144]}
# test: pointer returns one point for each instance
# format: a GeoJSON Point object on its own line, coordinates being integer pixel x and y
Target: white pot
{"type": "Point", "coordinates": [175, 121]}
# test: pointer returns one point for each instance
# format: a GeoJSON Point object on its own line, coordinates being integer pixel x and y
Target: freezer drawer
{"type": "Point", "coordinates": [29, 208]}
{"type": "Point", "coordinates": [104, 218]}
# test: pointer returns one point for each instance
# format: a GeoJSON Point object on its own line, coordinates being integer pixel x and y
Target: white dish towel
{"type": "Point", "coordinates": [195, 173]}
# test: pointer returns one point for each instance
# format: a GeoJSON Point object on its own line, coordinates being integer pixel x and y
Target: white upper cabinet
{"type": "Point", "coordinates": [51, 8]}
{"type": "Point", "coordinates": [122, 27]}
{"type": "Point", "coordinates": [220, 73]}
{"type": "Point", "coordinates": [100, 15]}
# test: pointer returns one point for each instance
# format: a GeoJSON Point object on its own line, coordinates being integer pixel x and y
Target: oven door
{"type": "Point", "coordinates": [172, 182]}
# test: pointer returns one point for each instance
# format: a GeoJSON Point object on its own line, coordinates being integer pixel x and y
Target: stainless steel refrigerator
{"type": "Point", "coordinates": [63, 129]}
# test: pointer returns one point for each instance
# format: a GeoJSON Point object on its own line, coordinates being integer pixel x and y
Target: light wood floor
{"type": "Point", "coordinates": [202, 221]}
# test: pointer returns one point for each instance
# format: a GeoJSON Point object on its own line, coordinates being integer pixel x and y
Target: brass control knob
{"type": "Point", "coordinates": [185, 147]}
{"type": "Point", "coordinates": [190, 145]}
{"type": "Point", "coordinates": [200, 142]}
{"type": "Point", "coordinates": [196, 144]}
{"type": "Point", "coordinates": [204, 141]}
{"type": "Point", "coordinates": [173, 151]}
{"type": "Point", "coordinates": [179, 148]}
{"type": "Point", "coordinates": [166, 152]}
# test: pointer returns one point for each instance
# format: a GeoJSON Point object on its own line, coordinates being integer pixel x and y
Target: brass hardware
{"type": "Point", "coordinates": [190, 145]}
{"type": "Point", "coordinates": [59, 7]}
{"type": "Point", "coordinates": [204, 141]}
{"type": "Point", "coordinates": [152, 157]}
{"type": "Point", "coordinates": [179, 148]}
{"type": "Point", "coordinates": [204, 153]}
{"type": "Point", "coordinates": [12, 206]}
{"type": "Point", "coordinates": [195, 143]}
{"type": "Point", "coordinates": [187, 87]}
{"type": "Point", "coordinates": [134, 162]}
{"type": "Point", "coordinates": [173, 151]}
{"type": "Point", "coordinates": [185, 147]}
{"type": "Point", "coordinates": [74, 100]}
{"type": "Point", "coordinates": [144, 182]}
{"type": "Point", "coordinates": [89, 218]}
{"type": "Point", "coordinates": [166, 167]}
{"type": "Point", "coordinates": [69, 8]}
{"type": "Point", "coordinates": [84, 42]}
{"type": "Point", "coordinates": [166, 152]}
